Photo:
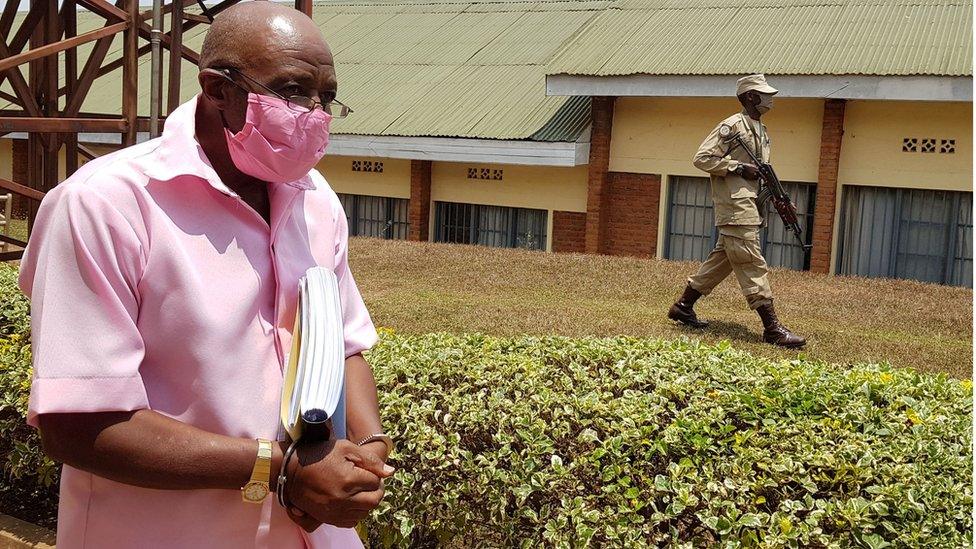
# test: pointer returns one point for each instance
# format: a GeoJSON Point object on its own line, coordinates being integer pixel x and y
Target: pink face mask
{"type": "Point", "coordinates": [278, 144]}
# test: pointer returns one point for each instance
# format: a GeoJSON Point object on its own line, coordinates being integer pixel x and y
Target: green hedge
{"type": "Point", "coordinates": [630, 442]}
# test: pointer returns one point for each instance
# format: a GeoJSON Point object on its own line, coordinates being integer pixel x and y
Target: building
{"type": "Point", "coordinates": [569, 126]}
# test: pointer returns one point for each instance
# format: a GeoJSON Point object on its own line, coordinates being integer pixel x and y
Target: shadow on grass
{"type": "Point", "coordinates": [722, 329]}
{"type": "Point", "coordinates": [733, 331]}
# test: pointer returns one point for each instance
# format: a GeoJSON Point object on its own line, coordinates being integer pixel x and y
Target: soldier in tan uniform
{"type": "Point", "coordinates": [735, 187]}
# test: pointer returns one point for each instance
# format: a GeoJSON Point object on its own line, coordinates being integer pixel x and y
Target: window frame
{"type": "Point", "coordinates": [391, 222]}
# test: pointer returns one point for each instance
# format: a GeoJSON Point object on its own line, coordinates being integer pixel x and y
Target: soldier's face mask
{"type": "Point", "coordinates": [765, 103]}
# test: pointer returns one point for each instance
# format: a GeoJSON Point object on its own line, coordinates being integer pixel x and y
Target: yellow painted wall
{"type": "Point", "coordinates": [871, 150]}
{"type": "Point", "coordinates": [393, 182]}
{"type": "Point", "coordinates": [540, 187]}
{"type": "Point", "coordinates": [661, 135]}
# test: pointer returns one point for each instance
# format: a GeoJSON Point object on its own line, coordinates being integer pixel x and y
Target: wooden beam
{"type": "Point", "coordinates": [11, 256]}
{"type": "Point", "coordinates": [7, 19]}
{"type": "Point", "coordinates": [105, 9]}
{"type": "Point", "coordinates": [12, 240]}
{"type": "Point", "coordinates": [196, 18]}
{"type": "Point", "coordinates": [88, 76]}
{"type": "Point", "coordinates": [70, 19]}
{"type": "Point", "coordinates": [22, 190]}
{"type": "Point", "coordinates": [20, 39]}
{"type": "Point", "coordinates": [86, 152]}
{"type": "Point", "coordinates": [185, 53]}
{"type": "Point", "coordinates": [146, 15]}
{"type": "Point", "coordinates": [45, 124]}
{"type": "Point", "coordinates": [12, 98]}
{"type": "Point", "coordinates": [130, 74]}
{"type": "Point", "coordinates": [27, 27]}
{"type": "Point", "coordinates": [60, 46]}
{"type": "Point", "coordinates": [20, 86]}
{"type": "Point", "coordinates": [175, 57]}
{"type": "Point", "coordinates": [48, 87]}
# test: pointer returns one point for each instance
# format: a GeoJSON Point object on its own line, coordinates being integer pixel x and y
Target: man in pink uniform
{"type": "Point", "coordinates": [163, 281]}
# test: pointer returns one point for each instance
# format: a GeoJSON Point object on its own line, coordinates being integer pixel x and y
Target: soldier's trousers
{"type": "Point", "coordinates": [737, 251]}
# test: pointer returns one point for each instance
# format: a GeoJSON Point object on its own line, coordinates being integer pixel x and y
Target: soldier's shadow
{"type": "Point", "coordinates": [722, 329]}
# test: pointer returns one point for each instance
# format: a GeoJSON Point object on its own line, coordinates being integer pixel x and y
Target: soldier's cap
{"type": "Point", "coordinates": [754, 82]}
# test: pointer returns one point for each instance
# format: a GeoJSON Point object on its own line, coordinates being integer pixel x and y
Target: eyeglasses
{"type": "Point", "coordinates": [298, 103]}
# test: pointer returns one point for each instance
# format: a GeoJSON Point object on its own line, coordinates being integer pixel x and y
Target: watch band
{"type": "Point", "coordinates": [381, 437]}
{"type": "Point", "coordinates": [262, 465]}
{"type": "Point", "coordinates": [258, 487]}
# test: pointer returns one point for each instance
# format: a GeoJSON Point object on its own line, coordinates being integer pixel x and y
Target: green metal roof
{"type": "Point", "coordinates": [477, 68]}
{"type": "Point", "coordinates": [802, 37]}
{"type": "Point", "coordinates": [435, 68]}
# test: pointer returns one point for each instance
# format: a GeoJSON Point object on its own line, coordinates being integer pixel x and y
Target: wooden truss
{"type": "Point", "coordinates": [50, 30]}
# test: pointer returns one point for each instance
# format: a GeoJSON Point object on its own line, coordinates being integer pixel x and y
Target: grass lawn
{"type": "Point", "coordinates": [420, 287]}
{"type": "Point", "coordinates": [17, 229]}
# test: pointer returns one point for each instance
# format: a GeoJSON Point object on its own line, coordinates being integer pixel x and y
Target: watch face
{"type": "Point", "coordinates": [255, 491]}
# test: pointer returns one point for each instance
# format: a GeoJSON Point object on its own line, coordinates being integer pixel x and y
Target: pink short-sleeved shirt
{"type": "Point", "coordinates": [153, 285]}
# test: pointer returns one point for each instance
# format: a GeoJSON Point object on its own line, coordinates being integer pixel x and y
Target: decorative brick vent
{"type": "Point", "coordinates": [490, 174]}
{"type": "Point", "coordinates": [367, 166]}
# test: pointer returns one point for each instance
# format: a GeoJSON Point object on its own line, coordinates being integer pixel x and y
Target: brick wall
{"type": "Point", "coordinates": [632, 214]}
{"type": "Point", "coordinates": [596, 198]}
{"type": "Point", "coordinates": [823, 220]}
{"type": "Point", "coordinates": [569, 232]}
{"type": "Point", "coordinates": [419, 200]}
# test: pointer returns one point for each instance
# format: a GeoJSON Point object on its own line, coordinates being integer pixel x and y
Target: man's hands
{"type": "Point", "coordinates": [748, 171]}
{"type": "Point", "coordinates": [334, 482]}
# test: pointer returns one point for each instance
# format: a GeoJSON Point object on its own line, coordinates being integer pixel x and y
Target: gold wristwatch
{"type": "Point", "coordinates": [258, 488]}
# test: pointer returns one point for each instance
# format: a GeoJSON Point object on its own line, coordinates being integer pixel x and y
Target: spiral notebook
{"type": "Point", "coordinates": [314, 377]}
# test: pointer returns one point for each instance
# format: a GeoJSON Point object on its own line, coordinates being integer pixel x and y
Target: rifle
{"type": "Point", "coordinates": [770, 188]}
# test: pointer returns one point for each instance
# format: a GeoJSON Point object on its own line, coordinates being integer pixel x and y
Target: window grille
{"type": "Point", "coordinates": [376, 216]}
{"type": "Point", "coordinates": [496, 226]}
{"type": "Point", "coordinates": [692, 233]}
{"type": "Point", "coordinates": [907, 233]}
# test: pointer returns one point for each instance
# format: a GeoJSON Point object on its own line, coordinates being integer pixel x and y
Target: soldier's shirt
{"type": "Point", "coordinates": [734, 197]}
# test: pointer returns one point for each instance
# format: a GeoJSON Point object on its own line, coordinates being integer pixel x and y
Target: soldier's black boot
{"type": "Point", "coordinates": [682, 311]}
{"type": "Point", "coordinates": [776, 333]}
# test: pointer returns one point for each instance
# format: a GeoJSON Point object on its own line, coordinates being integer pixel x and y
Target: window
{"type": "Point", "coordinates": [691, 219]}
{"type": "Point", "coordinates": [691, 224]}
{"type": "Point", "coordinates": [780, 247]}
{"type": "Point", "coordinates": [496, 226]}
{"type": "Point", "coordinates": [907, 233]}
{"type": "Point", "coordinates": [376, 216]}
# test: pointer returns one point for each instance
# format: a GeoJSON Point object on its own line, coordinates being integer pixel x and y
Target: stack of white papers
{"type": "Point", "coordinates": [314, 378]}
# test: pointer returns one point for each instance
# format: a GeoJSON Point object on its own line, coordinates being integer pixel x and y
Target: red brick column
{"type": "Point", "coordinates": [569, 232]}
{"type": "Point", "coordinates": [596, 197]}
{"type": "Point", "coordinates": [823, 217]}
{"type": "Point", "coordinates": [632, 214]}
{"type": "Point", "coordinates": [19, 174]}
{"type": "Point", "coordinates": [419, 200]}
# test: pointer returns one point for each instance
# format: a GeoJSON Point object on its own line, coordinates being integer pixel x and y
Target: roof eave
{"type": "Point", "coordinates": [876, 87]}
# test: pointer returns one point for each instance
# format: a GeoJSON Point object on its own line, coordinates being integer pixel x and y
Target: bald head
{"type": "Point", "coordinates": [250, 34]}
{"type": "Point", "coordinates": [276, 50]}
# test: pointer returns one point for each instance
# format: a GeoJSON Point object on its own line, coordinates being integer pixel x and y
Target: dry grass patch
{"type": "Point", "coordinates": [421, 287]}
